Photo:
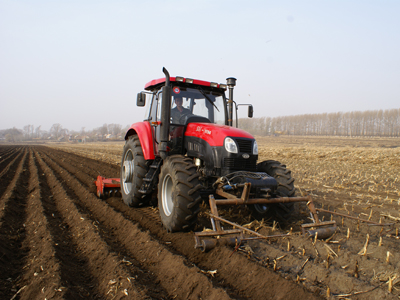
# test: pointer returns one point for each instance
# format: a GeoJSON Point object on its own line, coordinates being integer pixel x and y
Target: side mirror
{"type": "Point", "coordinates": [250, 111]}
{"type": "Point", "coordinates": [141, 99]}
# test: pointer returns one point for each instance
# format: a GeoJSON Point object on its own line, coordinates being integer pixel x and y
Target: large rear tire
{"type": "Point", "coordinates": [133, 170]}
{"type": "Point", "coordinates": [179, 193]}
{"type": "Point", "coordinates": [280, 211]}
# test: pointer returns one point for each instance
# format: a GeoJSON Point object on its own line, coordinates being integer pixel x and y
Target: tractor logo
{"type": "Point", "coordinates": [176, 90]}
{"type": "Point", "coordinates": [245, 155]}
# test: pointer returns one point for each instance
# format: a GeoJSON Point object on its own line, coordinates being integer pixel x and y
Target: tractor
{"type": "Point", "coordinates": [187, 149]}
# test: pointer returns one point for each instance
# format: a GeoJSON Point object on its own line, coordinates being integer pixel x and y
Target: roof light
{"type": "Point", "coordinates": [188, 80]}
{"type": "Point", "coordinates": [178, 78]}
{"type": "Point", "coordinates": [214, 84]}
{"type": "Point", "coordinates": [223, 86]}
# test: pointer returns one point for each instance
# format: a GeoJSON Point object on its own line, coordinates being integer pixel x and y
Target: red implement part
{"type": "Point", "coordinates": [106, 183]}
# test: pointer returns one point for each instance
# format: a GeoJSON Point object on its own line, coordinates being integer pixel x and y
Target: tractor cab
{"type": "Point", "coordinates": [197, 105]}
{"type": "Point", "coordinates": [194, 118]}
{"type": "Point", "coordinates": [190, 101]}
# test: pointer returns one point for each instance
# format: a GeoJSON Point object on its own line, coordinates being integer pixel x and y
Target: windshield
{"type": "Point", "coordinates": [205, 103]}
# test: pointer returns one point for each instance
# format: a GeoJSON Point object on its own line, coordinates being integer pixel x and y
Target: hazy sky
{"type": "Point", "coordinates": [81, 63]}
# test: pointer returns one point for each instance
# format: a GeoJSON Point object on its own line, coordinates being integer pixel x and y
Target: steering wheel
{"type": "Point", "coordinates": [183, 118]}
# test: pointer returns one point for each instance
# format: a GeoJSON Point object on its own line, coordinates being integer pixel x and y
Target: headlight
{"type": "Point", "coordinates": [255, 148]}
{"type": "Point", "coordinates": [230, 145]}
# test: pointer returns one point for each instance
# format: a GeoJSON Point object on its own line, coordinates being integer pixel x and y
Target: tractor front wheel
{"type": "Point", "coordinates": [133, 170]}
{"type": "Point", "coordinates": [279, 211]}
{"type": "Point", "coordinates": [178, 193]}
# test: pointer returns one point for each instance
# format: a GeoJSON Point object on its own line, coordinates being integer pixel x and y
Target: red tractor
{"type": "Point", "coordinates": [186, 149]}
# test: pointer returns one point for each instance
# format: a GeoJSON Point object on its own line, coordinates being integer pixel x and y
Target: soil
{"type": "Point", "coordinates": [58, 240]}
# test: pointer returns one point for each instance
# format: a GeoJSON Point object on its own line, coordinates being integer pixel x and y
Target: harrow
{"type": "Point", "coordinates": [205, 242]}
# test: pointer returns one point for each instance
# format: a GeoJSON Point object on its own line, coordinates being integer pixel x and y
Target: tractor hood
{"type": "Point", "coordinates": [215, 134]}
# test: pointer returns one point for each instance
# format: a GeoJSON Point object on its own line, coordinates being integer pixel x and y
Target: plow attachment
{"type": "Point", "coordinates": [107, 186]}
{"type": "Point", "coordinates": [205, 242]}
{"type": "Point", "coordinates": [234, 237]}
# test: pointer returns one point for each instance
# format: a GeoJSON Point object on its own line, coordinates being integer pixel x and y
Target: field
{"type": "Point", "coordinates": [58, 240]}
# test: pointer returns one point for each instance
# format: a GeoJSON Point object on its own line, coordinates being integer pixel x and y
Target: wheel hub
{"type": "Point", "coordinates": [127, 170]}
{"type": "Point", "coordinates": [167, 201]}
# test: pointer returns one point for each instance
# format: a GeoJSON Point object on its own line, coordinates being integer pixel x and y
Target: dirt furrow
{"type": "Point", "coordinates": [143, 278]}
{"type": "Point", "coordinates": [7, 151]}
{"type": "Point", "coordinates": [84, 166]}
{"type": "Point", "coordinates": [106, 276]}
{"type": "Point", "coordinates": [85, 171]}
{"type": "Point", "coordinates": [4, 150]}
{"type": "Point", "coordinates": [41, 278]}
{"type": "Point", "coordinates": [181, 279]}
{"type": "Point", "coordinates": [184, 245]}
{"type": "Point", "coordinates": [7, 165]}
{"type": "Point", "coordinates": [9, 178]}
{"type": "Point", "coordinates": [7, 155]}
{"type": "Point", "coordinates": [12, 229]}
{"type": "Point", "coordinates": [107, 153]}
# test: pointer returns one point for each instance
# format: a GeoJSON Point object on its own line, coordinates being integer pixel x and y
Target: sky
{"type": "Point", "coordinates": [81, 63]}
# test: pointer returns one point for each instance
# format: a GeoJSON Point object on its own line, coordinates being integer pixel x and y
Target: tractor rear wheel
{"type": "Point", "coordinates": [179, 193]}
{"type": "Point", "coordinates": [279, 211]}
{"type": "Point", "coordinates": [133, 170]}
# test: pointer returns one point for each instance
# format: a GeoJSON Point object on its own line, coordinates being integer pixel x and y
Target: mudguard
{"type": "Point", "coordinates": [145, 134]}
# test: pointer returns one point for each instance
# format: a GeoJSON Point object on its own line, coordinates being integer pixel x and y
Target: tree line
{"type": "Point", "coordinates": [375, 123]}
{"type": "Point", "coordinates": [59, 133]}
{"type": "Point", "coordinates": [371, 123]}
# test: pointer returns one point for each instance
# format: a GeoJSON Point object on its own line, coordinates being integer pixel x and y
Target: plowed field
{"type": "Point", "coordinates": [59, 241]}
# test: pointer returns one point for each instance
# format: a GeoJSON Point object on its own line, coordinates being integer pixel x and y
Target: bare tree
{"type": "Point", "coordinates": [115, 129]}
{"type": "Point", "coordinates": [13, 135]}
{"type": "Point", "coordinates": [28, 129]}
{"type": "Point", "coordinates": [104, 130]}
{"type": "Point", "coordinates": [37, 131]}
{"type": "Point", "coordinates": [55, 130]}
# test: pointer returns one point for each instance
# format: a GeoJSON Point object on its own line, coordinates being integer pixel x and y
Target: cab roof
{"type": "Point", "coordinates": [157, 83]}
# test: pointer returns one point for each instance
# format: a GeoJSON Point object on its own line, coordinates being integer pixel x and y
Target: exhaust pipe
{"type": "Point", "coordinates": [231, 82]}
{"type": "Point", "coordinates": [165, 116]}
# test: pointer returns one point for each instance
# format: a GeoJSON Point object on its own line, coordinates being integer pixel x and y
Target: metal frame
{"type": "Point", "coordinates": [103, 184]}
{"type": "Point", "coordinates": [322, 229]}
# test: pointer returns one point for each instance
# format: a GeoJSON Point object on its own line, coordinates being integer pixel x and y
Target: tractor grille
{"type": "Point", "coordinates": [245, 145]}
{"type": "Point", "coordinates": [240, 164]}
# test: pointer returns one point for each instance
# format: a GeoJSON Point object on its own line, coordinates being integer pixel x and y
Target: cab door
{"type": "Point", "coordinates": [155, 119]}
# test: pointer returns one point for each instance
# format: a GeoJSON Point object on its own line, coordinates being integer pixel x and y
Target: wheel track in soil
{"type": "Point", "coordinates": [230, 271]}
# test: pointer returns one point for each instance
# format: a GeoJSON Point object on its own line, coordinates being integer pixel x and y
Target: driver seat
{"type": "Point", "coordinates": [196, 119]}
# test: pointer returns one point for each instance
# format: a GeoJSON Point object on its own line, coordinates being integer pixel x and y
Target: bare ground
{"type": "Point", "coordinates": [58, 240]}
